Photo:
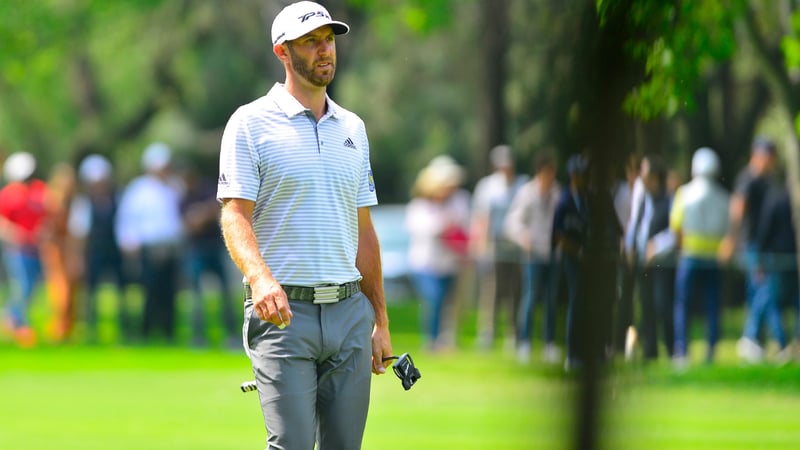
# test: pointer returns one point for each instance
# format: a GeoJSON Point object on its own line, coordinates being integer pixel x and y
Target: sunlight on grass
{"type": "Point", "coordinates": [152, 396]}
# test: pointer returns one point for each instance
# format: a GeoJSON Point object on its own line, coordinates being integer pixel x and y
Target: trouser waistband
{"type": "Point", "coordinates": [330, 293]}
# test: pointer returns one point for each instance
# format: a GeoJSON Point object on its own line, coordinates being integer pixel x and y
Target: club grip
{"type": "Point", "coordinates": [248, 386]}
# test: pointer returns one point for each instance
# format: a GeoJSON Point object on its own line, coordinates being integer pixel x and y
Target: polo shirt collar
{"type": "Point", "coordinates": [291, 107]}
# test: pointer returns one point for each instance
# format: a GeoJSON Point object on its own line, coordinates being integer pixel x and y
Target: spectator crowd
{"type": "Point", "coordinates": [678, 243]}
{"type": "Point", "coordinates": [519, 240]}
{"type": "Point", "coordinates": [74, 228]}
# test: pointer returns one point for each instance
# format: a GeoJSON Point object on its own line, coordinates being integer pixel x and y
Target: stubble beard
{"type": "Point", "coordinates": [306, 71]}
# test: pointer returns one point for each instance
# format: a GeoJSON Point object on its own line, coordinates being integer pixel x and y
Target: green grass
{"type": "Point", "coordinates": [76, 396]}
{"type": "Point", "coordinates": [724, 406]}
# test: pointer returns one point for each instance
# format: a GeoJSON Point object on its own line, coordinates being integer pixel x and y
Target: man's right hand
{"type": "Point", "coordinates": [270, 302]}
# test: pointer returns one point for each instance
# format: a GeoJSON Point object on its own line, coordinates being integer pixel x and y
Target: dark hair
{"type": "Point", "coordinates": [544, 159]}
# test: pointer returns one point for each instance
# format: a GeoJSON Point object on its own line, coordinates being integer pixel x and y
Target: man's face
{"type": "Point", "coordinates": [769, 162]}
{"type": "Point", "coordinates": [313, 56]}
{"type": "Point", "coordinates": [762, 161]}
{"type": "Point", "coordinates": [547, 177]}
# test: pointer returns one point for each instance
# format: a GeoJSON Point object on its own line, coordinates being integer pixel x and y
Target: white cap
{"type": "Point", "coordinates": [156, 156]}
{"type": "Point", "coordinates": [94, 168]}
{"type": "Point", "coordinates": [19, 166]}
{"type": "Point", "coordinates": [300, 18]}
{"type": "Point", "coordinates": [501, 157]}
{"type": "Point", "coordinates": [705, 163]}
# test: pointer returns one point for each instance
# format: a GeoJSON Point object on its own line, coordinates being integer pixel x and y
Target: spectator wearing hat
{"type": "Point", "coordinates": [747, 201]}
{"type": "Point", "coordinates": [776, 248]}
{"type": "Point", "coordinates": [436, 219]}
{"type": "Point", "coordinates": [92, 221]}
{"type": "Point", "coordinates": [700, 219]}
{"type": "Point", "coordinates": [570, 226]}
{"type": "Point", "coordinates": [149, 229]}
{"type": "Point", "coordinates": [497, 258]}
{"type": "Point", "coordinates": [23, 216]}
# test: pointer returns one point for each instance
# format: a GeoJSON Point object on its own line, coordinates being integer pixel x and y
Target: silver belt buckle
{"type": "Point", "coordinates": [326, 294]}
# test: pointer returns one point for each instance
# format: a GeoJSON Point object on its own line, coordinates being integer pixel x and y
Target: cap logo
{"type": "Point", "coordinates": [307, 16]}
{"type": "Point", "coordinates": [300, 18]}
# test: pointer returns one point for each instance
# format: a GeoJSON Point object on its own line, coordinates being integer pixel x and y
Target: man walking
{"type": "Point", "coordinates": [746, 208]}
{"type": "Point", "coordinates": [295, 183]}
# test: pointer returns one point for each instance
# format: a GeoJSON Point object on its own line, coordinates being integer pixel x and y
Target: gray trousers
{"type": "Point", "coordinates": [314, 376]}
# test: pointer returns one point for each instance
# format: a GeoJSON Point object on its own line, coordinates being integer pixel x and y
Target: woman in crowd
{"type": "Point", "coordinates": [437, 218]}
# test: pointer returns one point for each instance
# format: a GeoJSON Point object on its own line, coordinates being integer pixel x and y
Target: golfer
{"type": "Point", "coordinates": [296, 185]}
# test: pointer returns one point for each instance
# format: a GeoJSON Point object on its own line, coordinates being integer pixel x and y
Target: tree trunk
{"type": "Point", "coordinates": [608, 74]}
{"type": "Point", "coordinates": [495, 39]}
{"type": "Point", "coordinates": [787, 96]}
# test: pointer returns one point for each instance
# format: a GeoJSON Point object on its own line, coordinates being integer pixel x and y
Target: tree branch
{"type": "Point", "coordinates": [771, 62]}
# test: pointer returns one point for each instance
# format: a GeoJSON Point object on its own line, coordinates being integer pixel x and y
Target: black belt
{"type": "Point", "coordinates": [330, 293]}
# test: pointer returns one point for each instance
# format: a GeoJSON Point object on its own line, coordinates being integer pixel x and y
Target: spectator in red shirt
{"type": "Point", "coordinates": [22, 217]}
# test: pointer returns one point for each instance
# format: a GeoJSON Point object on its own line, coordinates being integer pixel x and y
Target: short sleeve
{"type": "Point", "coordinates": [367, 195]}
{"type": "Point", "coordinates": [676, 214]}
{"type": "Point", "coordinates": [480, 198]}
{"type": "Point", "coordinates": [239, 164]}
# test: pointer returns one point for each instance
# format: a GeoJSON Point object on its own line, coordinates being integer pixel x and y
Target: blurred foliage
{"type": "Point", "coordinates": [680, 42]}
{"type": "Point", "coordinates": [84, 76]}
{"type": "Point", "coordinates": [717, 73]}
{"type": "Point", "coordinates": [81, 76]}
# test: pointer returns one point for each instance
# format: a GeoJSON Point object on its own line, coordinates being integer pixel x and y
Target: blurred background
{"type": "Point", "coordinates": [432, 77]}
{"type": "Point", "coordinates": [101, 94]}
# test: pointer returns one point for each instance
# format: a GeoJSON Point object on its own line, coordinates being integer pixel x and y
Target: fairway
{"type": "Point", "coordinates": [162, 398]}
{"type": "Point", "coordinates": [159, 397]}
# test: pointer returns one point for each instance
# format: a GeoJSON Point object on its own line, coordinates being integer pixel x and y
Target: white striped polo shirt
{"type": "Point", "coordinates": [307, 180]}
